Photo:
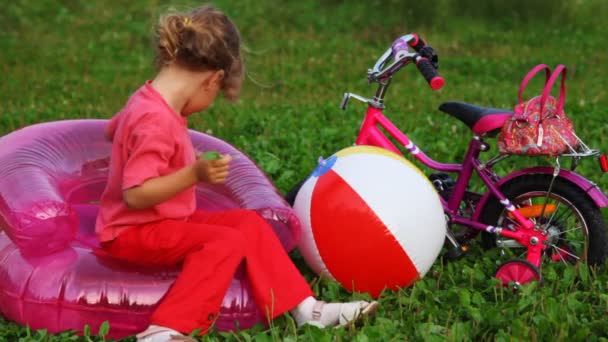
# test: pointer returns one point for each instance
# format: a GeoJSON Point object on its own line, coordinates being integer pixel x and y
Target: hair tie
{"type": "Point", "coordinates": [187, 21]}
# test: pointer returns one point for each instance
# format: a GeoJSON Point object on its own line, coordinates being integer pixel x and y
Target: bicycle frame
{"type": "Point", "coordinates": [370, 133]}
{"type": "Point", "coordinates": [461, 206]}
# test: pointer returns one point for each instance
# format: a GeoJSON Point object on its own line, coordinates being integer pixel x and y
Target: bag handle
{"type": "Point", "coordinates": [560, 70]}
{"type": "Point", "coordinates": [529, 76]}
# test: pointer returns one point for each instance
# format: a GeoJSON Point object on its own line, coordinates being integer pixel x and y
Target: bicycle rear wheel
{"type": "Point", "coordinates": [575, 225]}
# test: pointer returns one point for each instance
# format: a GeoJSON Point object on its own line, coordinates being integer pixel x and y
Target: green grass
{"type": "Point", "coordinates": [79, 59]}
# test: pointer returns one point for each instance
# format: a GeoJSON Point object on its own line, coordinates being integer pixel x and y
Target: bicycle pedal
{"type": "Point", "coordinates": [442, 181]}
{"type": "Point", "coordinates": [455, 253]}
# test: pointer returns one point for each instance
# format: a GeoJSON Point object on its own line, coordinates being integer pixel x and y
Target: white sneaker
{"type": "Point", "coordinates": [349, 313]}
{"type": "Point", "coordinates": [156, 333]}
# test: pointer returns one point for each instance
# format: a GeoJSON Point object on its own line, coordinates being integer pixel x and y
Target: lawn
{"type": "Point", "coordinates": [82, 59]}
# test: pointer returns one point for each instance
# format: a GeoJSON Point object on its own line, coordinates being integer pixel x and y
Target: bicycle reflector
{"type": "Point", "coordinates": [603, 162]}
{"type": "Point", "coordinates": [535, 210]}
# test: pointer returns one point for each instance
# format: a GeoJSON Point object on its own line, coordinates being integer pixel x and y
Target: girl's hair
{"type": "Point", "coordinates": [202, 39]}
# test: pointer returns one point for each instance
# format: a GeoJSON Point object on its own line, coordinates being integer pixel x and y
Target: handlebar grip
{"type": "Point", "coordinates": [417, 43]}
{"type": "Point", "coordinates": [430, 73]}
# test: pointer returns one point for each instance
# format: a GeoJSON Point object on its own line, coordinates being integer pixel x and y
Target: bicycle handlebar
{"type": "Point", "coordinates": [416, 42]}
{"type": "Point", "coordinates": [425, 58]}
{"type": "Point", "coordinates": [430, 73]}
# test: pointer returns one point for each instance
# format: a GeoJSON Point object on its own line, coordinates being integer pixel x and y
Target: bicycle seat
{"type": "Point", "coordinates": [481, 120]}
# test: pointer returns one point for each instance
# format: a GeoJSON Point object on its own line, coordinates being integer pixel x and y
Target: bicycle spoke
{"type": "Point", "coordinates": [513, 221]}
{"type": "Point", "coordinates": [569, 230]}
{"type": "Point", "coordinates": [554, 212]}
{"type": "Point", "coordinates": [559, 254]}
{"type": "Point", "coordinates": [565, 251]}
{"type": "Point", "coordinates": [573, 244]}
{"type": "Point", "coordinates": [560, 218]}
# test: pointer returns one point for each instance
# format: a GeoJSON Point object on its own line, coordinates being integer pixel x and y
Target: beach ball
{"type": "Point", "coordinates": [371, 220]}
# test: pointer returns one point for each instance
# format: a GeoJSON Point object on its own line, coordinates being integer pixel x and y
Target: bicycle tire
{"type": "Point", "coordinates": [290, 196]}
{"type": "Point", "coordinates": [535, 186]}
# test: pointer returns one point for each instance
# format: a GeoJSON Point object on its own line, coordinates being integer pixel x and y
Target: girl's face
{"type": "Point", "coordinates": [208, 89]}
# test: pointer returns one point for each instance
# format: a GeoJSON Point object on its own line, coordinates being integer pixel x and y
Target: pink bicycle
{"type": "Point", "coordinates": [542, 212]}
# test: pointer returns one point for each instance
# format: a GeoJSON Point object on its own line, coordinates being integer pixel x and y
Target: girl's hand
{"type": "Point", "coordinates": [212, 171]}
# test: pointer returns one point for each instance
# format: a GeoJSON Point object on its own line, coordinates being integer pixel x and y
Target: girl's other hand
{"type": "Point", "coordinates": [212, 171]}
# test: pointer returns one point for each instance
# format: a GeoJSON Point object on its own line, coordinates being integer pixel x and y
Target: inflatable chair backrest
{"type": "Point", "coordinates": [45, 168]}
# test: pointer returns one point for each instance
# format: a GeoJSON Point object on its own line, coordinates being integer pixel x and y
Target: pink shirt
{"type": "Point", "coordinates": [149, 140]}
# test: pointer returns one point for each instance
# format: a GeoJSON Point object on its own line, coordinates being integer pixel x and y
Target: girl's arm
{"type": "Point", "coordinates": [111, 127]}
{"type": "Point", "coordinates": [159, 189]}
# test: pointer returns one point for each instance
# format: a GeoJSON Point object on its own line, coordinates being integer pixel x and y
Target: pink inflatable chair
{"type": "Point", "coordinates": [52, 273]}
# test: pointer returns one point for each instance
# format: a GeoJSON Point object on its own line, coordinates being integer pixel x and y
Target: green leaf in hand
{"type": "Point", "coordinates": [211, 155]}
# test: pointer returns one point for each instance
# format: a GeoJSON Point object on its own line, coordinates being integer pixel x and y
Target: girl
{"type": "Point", "coordinates": [148, 213]}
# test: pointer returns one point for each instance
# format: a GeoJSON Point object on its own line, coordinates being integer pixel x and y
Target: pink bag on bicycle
{"type": "Point", "coordinates": [539, 125]}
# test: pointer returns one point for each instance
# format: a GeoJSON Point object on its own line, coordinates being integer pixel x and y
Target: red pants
{"type": "Point", "coordinates": [210, 246]}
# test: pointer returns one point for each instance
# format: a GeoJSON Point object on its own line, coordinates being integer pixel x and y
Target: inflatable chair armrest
{"type": "Point", "coordinates": [247, 187]}
{"type": "Point", "coordinates": [33, 212]}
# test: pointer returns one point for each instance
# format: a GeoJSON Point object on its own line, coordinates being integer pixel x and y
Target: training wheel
{"type": "Point", "coordinates": [517, 272]}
